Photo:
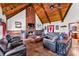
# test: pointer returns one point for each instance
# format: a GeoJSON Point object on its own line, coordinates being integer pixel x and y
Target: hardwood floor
{"type": "Point", "coordinates": [37, 49]}
{"type": "Point", "coordinates": [75, 48]}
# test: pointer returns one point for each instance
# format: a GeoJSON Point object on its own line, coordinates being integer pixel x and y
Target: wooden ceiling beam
{"type": "Point", "coordinates": [16, 10]}
{"type": "Point", "coordinates": [36, 13]}
{"type": "Point", "coordinates": [46, 13]}
{"type": "Point", "coordinates": [66, 12]}
{"type": "Point", "coordinates": [40, 12]}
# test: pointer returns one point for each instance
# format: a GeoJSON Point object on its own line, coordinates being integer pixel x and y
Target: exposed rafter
{"type": "Point", "coordinates": [46, 13]}
{"type": "Point", "coordinates": [36, 13]}
{"type": "Point", "coordinates": [66, 11]}
{"type": "Point", "coordinates": [14, 10]}
{"type": "Point", "coordinates": [40, 12]}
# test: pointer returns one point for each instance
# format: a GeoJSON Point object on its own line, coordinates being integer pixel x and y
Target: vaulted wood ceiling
{"type": "Point", "coordinates": [43, 10]}
{"type": "Point", "coordinates": [53, 14]}
{"type": "Point", "coordinates": [11, 9]}
{"type": "Point", "coordinates": [46, 14]}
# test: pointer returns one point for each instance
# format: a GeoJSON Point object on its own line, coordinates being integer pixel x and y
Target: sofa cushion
{"type": "Point", "coordinates": [1, 53]}
{"type": "Point", "coordinates": [52, 35]}
{"type": "Point", "coordinates": [16, 50]}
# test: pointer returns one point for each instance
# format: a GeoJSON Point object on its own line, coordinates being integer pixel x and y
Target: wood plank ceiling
{"type": "Point", "coordinates": [40, 12]}
{"type": "Point", "coordinates": [56, 13]}
{"type": "Point", "coordinates": [11, 9]}
{"type": "Point", "coordinates": [47, 12]}
{"type": "Point", "coordinates": [53, 14]}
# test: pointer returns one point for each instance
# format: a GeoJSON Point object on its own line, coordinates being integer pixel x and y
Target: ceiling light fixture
{"type": "Point", "coordinates": [52, 6]}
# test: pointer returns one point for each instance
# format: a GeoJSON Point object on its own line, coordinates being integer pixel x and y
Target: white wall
{"type": "Point", "coordinates": [38, 24]}
{"type": "Point", "coordinates": [2, 16]}
{"type": "Point", "coordinates": [0, 11]}
{"type": "Point", "coordinates": [1, 27]}
{"type": "Point", "coordinates": [1, 32]}
{"type": "Point", "coordinates": [72, 16]}
{"type": "Point", "coordinates": [21, 17]}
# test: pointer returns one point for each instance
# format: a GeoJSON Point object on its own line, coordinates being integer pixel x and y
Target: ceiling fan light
{"type": "Point", "coordinates": [51, 7]}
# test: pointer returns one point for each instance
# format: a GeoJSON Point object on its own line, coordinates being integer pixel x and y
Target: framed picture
{"type": "Point", "coordinates": [18, 24]}
{"type": "Point", "coordinates": [73, 26]}
{"type": "Point", "coordinates": [57, 27]}
{"type": "Point", "coordinates": [50, 28]}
